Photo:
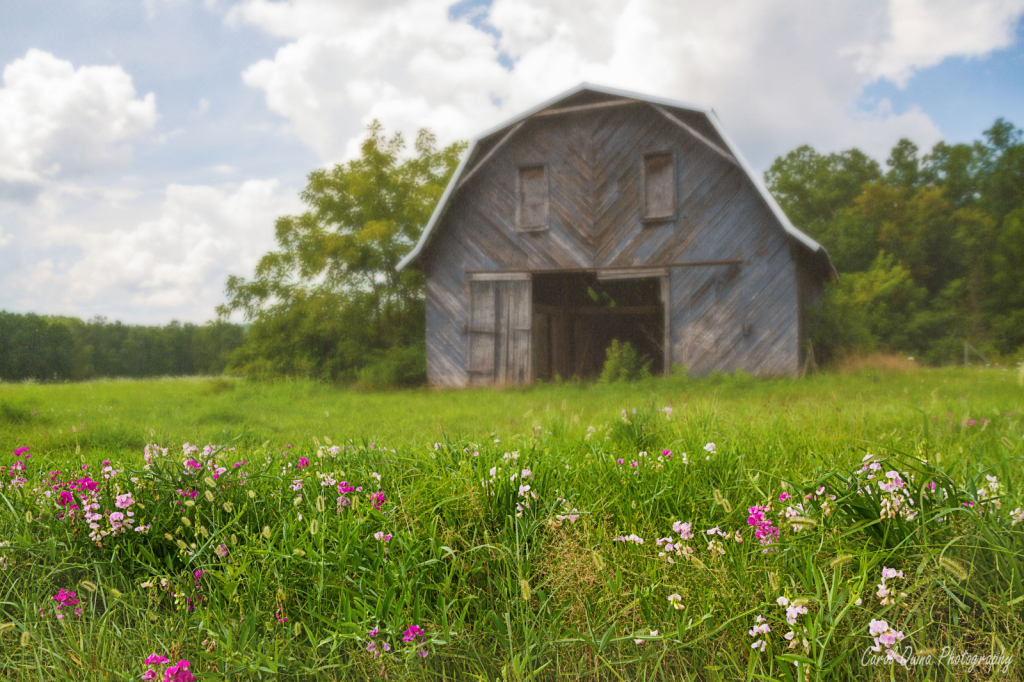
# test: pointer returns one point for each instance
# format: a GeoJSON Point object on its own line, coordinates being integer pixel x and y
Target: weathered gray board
{"type": "Point", "coordinates": [720, 317]}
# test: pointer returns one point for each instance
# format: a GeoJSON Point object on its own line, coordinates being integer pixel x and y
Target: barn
{"type": "Point", "coordinates": [600, 215]}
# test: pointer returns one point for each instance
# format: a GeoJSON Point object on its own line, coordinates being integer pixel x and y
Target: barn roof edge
{"type": "Point", "coordinates": [780, 215]}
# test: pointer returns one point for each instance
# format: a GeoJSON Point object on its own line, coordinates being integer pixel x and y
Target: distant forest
{"type": "Point", "coordinates": [46, 348]}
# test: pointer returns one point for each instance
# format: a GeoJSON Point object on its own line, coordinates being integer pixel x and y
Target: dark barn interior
{"type": "Point", "coordinates": [576, 315]}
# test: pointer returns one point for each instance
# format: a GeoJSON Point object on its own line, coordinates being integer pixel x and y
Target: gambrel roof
{"type": "Point", "coordinates": [587, 96]}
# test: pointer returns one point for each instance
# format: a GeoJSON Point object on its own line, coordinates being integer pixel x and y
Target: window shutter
{"type": "Point", "coordinates": [659, 186]}
{"type": "Point", "coordinates": [533, 197]}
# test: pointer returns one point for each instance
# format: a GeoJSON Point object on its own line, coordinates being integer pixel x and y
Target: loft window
{"type": "Point", "coordinates": [533, 198]}
{"type": "Point", "coordinates": [659, 186]}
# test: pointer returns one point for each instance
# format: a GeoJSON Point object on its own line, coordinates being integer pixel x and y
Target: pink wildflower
{"type": "Point", "coordinates": [179, 672]}
{"type": "Point", "coordinates": [414, 633]}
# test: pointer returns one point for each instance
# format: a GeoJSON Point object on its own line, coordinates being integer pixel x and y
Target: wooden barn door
{"type": "Point", "coordinates": [499, 329]}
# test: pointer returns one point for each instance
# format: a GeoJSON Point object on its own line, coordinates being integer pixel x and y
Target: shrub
{"type": "Point", "coordinates": [623, 364]}
{"type": "Point", "coordinates": [395, 367]}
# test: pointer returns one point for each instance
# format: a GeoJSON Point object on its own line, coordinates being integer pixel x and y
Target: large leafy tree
{"type": "Point", "coordinates": [330, 300]}
{"type": "Point", "coordinates": [930, 250]}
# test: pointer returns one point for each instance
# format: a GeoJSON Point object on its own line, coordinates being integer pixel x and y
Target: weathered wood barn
{"type": "Point", "coordinates": [603, 215]}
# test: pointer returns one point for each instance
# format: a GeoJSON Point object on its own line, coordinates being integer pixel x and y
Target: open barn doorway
{"type": "Point", "coordinates": [576, 315]}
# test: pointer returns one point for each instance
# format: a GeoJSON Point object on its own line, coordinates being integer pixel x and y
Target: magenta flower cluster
{"type": "Point", "coordinates": [179, 672]}
{"type": "Point", "coordinates": [66, 598]}
{"type": "Point", "coordinates": [415, 635]}
{"type": "Point", "coordinates": [764, 531]}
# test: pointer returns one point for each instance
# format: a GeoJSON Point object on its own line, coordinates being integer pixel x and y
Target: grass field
{"type": "Point", "coordinates": [497, 534]}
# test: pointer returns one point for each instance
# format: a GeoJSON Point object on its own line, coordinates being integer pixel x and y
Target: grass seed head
{"type": "Point", "coordinates": [88, 586]}
{"type": "Point", "coordinates": [266, 532]}
{"type": "Point", "coordinates": [5, 627]}
{"type": "Point", "coordinates": [209, 496]}
{"type": "Point", "coordinates": [954, 568]}
{"type": "Point", "coordinates": [114, 592]}
{"type": "Point", "coordinates": [524, 587]}
{"type": "Point", "coordinates": [25, 638]}
{"type": "Point", "coordinates": [841, 561]}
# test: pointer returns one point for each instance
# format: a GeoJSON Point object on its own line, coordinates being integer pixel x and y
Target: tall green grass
{"type": "Point", "coordinates": [507, 585]}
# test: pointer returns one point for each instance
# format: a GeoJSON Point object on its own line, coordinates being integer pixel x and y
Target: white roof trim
{"type": "Point", "coordinates": [776, 210]}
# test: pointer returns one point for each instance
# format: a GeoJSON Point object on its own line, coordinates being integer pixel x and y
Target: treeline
{"type": "Point", "coordinates": [930, 252]}
{"type": "Point", "coordinates": [46, 348]}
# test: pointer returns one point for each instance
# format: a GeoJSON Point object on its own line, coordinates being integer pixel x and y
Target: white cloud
{"type": "Point", "coordinates": [921, 33]}
{"type": "Point", "coordinates": [780, 73]}
{"type": "Point", "coordinates": [58, 122]}
{"type": "Point", "coordinates": [173, 264]}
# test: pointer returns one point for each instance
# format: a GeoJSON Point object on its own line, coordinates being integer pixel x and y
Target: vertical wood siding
{"type": "Point", "coordinates": [721, 317]}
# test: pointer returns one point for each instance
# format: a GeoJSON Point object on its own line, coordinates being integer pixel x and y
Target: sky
{"type": "Point", "coordinates": [147, 147]}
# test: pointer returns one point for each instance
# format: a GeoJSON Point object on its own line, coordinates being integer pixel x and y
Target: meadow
{"type": "Point", "coordinates": [856, 526]}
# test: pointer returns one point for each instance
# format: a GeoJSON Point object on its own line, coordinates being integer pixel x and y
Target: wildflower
{"type": "Point", "coordinates": [124, 501]}
{"type": "Point", "coordinates": [760, 628]}
{"type": "Point", "coordinates": [179, 672]}
{"type": "Point", "coordinates": [886, 638]}
{"type": "Point", "coordinates": [654, 633]}
{"type": "Point", "coordinates": [676, 601]}
{"type": "Point", "coordinates": [885, 593]}
{"type": "Point", "coordinates": [303, 463]}
{"type": "Point", "coordinates": [223, 551]}
{"type": "Point", "coordinates": [22, 451]}
{"type": "Point", "coordinates": [784, 496]}
{"type": "Point", "coordinates": [415, 632]}
{"type": "Point", "coordinates": [156, 659]}
{"type": "Point", "coordinates": [794, 611]}
{"type": "Point", "coordinates": [764, 531]}
{"type": "Point", "coordinates": [635, 539]}
{"type": "Point", "coordinates": [683, 529]}
{"type": "Point", "coordinates": [711, 448]}
{"type": "Point", "coordinates": [66, 598]}
{"type": "Point", "coordinates": [526, 473]}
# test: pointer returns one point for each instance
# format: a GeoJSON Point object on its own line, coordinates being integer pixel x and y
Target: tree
{"type": "Point", "coordinates": [330, 300]}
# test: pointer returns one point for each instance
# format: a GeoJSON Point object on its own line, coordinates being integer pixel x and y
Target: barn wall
{"type": "Point", "coordinates": [594, 162]}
